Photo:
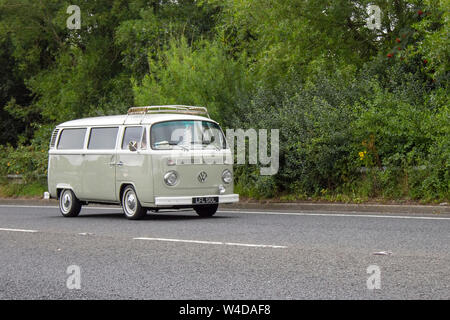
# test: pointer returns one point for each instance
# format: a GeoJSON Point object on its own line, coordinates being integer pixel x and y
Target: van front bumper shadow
{"type": "Point", "coordinates": [181, 201]}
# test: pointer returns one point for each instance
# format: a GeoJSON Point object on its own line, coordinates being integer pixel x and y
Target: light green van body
{"type": "Point", "coordinates": [100, 176]}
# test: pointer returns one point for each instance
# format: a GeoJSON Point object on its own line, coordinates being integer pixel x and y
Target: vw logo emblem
{"type": "Point", "coordinates": [202, 176]}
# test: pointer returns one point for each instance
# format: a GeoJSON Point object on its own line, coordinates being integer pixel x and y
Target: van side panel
{"type": "Point", "coordinates": [98, 177]}
{"type": "Point", "coordinates": [65, 171]}
{"type": "Point", "coordinates": [51, 184]}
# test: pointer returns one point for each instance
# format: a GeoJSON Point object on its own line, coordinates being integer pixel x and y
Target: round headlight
{"type": "Point", "coordinates": [227, 176]}
{"type": "Point", "coordinates": [171, 178]}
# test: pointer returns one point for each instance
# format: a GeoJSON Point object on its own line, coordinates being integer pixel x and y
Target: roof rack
{"type": "Point", "coordinates": [169, 109]}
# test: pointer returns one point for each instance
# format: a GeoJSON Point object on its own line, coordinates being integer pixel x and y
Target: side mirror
{"type": "Point", "coordinates": [132, 146]}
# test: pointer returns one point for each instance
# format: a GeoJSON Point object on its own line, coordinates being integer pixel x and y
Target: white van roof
{"type": "Point", "coordinates": [132, 119]}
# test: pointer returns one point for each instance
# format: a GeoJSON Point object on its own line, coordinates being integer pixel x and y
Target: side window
{"type": "Point", "coordinates": [103, 138]}
{"type": "Point", "coordinates": [131, 134]}
{"type": "Point", "coordinates": [71, 139]}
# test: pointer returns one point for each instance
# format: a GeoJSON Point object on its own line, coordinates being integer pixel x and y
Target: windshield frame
{"type": "Point", "coordinates": [150, 144]}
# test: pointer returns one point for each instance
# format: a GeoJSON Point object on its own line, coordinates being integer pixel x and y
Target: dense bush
{"type": "Point", "coordinates": [28, 161]}
{"type": "Point", "coordinates": [353, 134]}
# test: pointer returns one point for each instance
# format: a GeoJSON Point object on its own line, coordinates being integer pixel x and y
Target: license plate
{"type": "Point", "coordinates": [205, 200]}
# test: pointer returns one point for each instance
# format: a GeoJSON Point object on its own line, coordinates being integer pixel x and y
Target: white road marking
{"type": "Point", "coordinates": [213, 242]}
{"type": "Point", "coordinates": [56, 207]}
{"type": "Point", "coordinates": [255, 245]}
{"type": "Point", "coordinates": [118, 208]}
{"type": "Point", "coordinates": [24, 206]}
{"type": "Point", "coordinates": [302, 213]}
{"type": "Point", "coordinates": [375, 215]}
{"type": "Point", "coordinates": [18, 230]}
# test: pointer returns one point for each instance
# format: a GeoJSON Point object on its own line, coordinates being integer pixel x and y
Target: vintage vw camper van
{"type": "Point", "coordinates": [151, 158]}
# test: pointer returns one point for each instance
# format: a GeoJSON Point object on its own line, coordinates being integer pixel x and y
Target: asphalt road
{"type": "Point", "coordinates": [234, 255]}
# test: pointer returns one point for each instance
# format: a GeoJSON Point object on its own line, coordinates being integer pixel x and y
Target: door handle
{"type": "Point", "coordinates": [119, 164]}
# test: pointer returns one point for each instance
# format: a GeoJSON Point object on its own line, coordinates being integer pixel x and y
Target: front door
{"type": "Point", "coordinates": [134, 167]}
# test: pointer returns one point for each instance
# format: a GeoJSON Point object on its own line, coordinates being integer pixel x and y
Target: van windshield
{"type": "Point", "coordinates": [187, 134]}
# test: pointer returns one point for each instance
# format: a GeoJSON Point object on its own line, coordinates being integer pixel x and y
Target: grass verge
{"type": "Point", "coordinates": [26, 190]}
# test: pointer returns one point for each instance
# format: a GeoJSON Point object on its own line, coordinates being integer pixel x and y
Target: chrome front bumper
{"type": "Point", "coordinates": [181, 201]}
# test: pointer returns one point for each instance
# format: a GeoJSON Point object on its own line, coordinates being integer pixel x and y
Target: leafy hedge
{"type": "Point", "coordinates": [353, 134]}
{"type": "Point", "coordinates": [28, 161]}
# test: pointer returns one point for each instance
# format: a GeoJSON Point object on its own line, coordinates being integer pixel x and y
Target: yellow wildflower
{"type": "Point", "coordinates": [362, 154]}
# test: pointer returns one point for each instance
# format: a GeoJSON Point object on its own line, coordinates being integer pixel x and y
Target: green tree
{"type": "Point", "coordinates": [200, 75]}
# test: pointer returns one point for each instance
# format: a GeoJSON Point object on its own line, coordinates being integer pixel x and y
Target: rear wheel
{"type": "Point", "coordinates": [131, 206]}
{"type": "Point", "coordinates": [206, 210]}
{"type": "Point", "coordinates": [69, 205]}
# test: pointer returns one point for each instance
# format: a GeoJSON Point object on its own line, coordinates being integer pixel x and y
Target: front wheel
{"type": "Point", "coordinates": [131, 206]}
{"type": "Point", "coordinates": [206, 210]}
{"type": "Point", "coordinates": [69, 205]}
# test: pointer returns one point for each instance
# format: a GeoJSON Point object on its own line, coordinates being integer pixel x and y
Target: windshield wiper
{"type": "Point", "coordinates": [182, 146]}
{"type": "Point", "coordinates": [171, 143]}
{"type": "Point", "coordinates": [204, 144]}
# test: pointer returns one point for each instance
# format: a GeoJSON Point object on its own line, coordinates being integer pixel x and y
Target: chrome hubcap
{"type": "Point", "coordinates": [130, 203]}
{"type": "Point", "coordinates": [66, 202]}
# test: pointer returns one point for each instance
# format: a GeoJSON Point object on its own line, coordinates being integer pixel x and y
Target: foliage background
{"type": "Point", "coordinates": [362, 113]}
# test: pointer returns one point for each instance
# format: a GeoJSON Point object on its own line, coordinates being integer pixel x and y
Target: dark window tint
{"type": "Point", "coordinates": [103, 138]}
{"type": "Point", "coordinates": [131, 134]}
{"type": "Point", "coordinates": [71, 139]}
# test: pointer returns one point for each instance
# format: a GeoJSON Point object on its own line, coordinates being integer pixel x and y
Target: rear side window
{"type": "Point", "coordinates": [103, 138]}
{"type": "Point", "coordinates": [72, 139]}
{"type": "Point", "coordinates": [131, 134]}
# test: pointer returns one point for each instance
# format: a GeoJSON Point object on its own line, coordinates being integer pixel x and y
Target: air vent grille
{"type": "Point", "coordinates": [53, 140]}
